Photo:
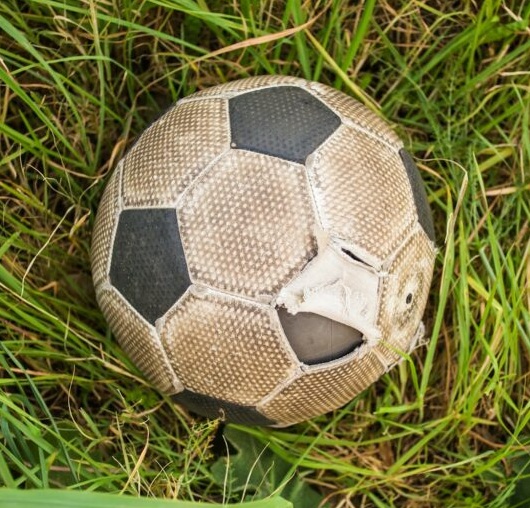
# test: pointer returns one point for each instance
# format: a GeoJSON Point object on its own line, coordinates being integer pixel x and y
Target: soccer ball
{"type": "Point", "coordinates": [264, 251]}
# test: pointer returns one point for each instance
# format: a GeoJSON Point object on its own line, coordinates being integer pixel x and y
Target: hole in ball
{"type": "Point", "coordinates": [352, 255]}
{"type": "Point", "coordinates": [409, 299]}
{"type": "Point", "coordinates": [318, 339]}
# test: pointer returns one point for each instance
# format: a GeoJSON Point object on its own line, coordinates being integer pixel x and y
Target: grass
{"type": "Point", "coordinates": [79, 80]}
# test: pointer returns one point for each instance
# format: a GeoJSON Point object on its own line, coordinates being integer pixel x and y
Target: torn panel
{"type": "Point", "coordinates": [338, 287]}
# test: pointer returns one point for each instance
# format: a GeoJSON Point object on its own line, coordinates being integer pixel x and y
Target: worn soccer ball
{"type": "Point", "coordinates": [264, 251]}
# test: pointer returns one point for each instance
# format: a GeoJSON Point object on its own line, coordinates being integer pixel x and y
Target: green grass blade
{"type": "Point", "coordinates": [81, 80]}
{"type": "Point", "coordinates": [357, 39]}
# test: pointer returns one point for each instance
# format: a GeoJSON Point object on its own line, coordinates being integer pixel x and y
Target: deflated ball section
{"type": "Point", "coordinates": [283, 121]}
{"type": "Point", "coordinates": [148, 266]}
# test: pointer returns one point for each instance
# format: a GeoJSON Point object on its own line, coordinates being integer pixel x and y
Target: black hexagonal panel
{"type": "Point", "coordinates": [284, 121]}
{"type": "Point", "coordinates": [420, 196]}
{"type": "Point", "coordinates": [148, 266]}
{"type": "Point", "coordinates": [212, 407]}
{"type": "Point", "coordinates": [318, 339]}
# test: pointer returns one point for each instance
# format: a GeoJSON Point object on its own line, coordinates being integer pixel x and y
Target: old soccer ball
{"type": "Point", "coordinates": [264, 251]}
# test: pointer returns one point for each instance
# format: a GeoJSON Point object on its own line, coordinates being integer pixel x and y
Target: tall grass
{"type": "Point", "coordinates": [79, 80]}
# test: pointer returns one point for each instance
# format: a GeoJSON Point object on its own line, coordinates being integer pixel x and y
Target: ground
{"type": "Point", "coordinates": [80, 80]}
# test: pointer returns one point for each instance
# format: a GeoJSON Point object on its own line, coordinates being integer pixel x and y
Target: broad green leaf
{"type": "Point", "coordinates": [258, 472]}
{"type": "Point", "coordinates": [45, 498]}
{"type": "Point", "coordinates": [521, 494]}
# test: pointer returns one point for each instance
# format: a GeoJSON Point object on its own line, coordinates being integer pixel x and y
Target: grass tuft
{"type": "Point", "coordinates": [79, 81]}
